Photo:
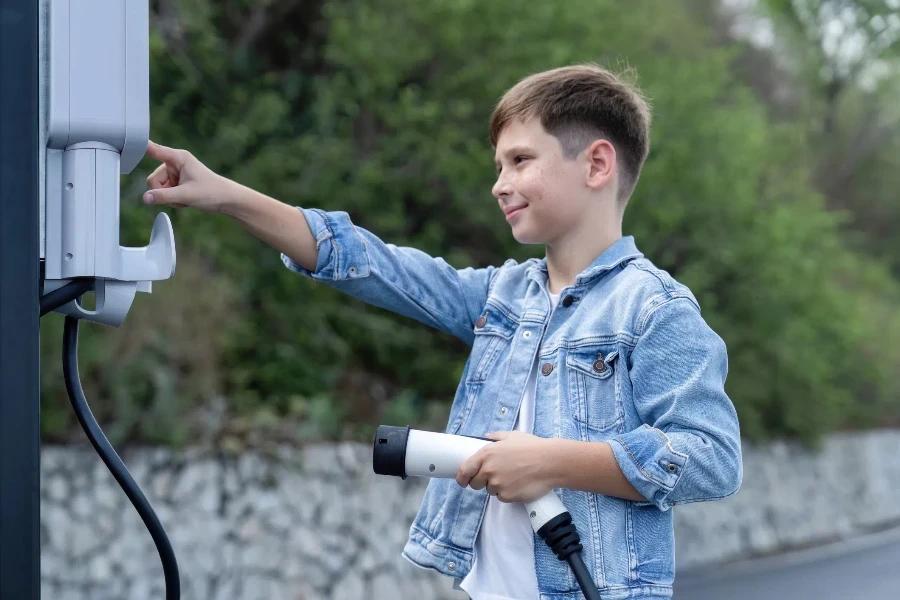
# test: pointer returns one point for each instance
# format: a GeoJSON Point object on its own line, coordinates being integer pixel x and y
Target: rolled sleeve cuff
{"type": "Point", "coordinates": [341, 250]}
{"type": "Point", "coordinates": [650, 464]}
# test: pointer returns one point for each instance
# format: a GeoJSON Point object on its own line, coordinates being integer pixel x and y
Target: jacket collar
{"type": "Point", "coordinates": [622, 250]}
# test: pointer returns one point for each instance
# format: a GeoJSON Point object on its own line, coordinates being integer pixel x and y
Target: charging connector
{"type": "Point", "coordinates": [404, 452]}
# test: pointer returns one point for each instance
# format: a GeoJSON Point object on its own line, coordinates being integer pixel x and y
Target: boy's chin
{"type": "Point", "coordinates": [528, 237]}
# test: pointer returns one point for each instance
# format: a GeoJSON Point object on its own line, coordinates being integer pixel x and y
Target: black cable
{"type": "Point", "coordinates": [583, 576]}
{"type": "Point", "coordinates": [90, 426]}
{"type": "Point", "coordinates": [560, 535]}
{"type": "Point", "coordinates": [65, 294]}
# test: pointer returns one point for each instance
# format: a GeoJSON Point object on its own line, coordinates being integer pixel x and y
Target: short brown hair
{"type": "Point", "coordinates": [578, 104]}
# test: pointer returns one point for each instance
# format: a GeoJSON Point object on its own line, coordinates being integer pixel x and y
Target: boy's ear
{"type": "Point", "coordinates": [601, 162]}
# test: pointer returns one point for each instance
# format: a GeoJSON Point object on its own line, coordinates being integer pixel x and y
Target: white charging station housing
{"type": "Point", "coordinates": [97, 117]}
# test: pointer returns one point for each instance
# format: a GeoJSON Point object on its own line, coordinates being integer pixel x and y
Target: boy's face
{"type": "Point", "coordinates": [543, 195]}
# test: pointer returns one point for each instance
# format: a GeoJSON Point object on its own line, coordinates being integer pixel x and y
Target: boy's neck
{"type": "Point", "coordinates": [567, 258]}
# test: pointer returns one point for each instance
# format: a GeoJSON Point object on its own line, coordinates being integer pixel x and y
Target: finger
{"type": "Point", "coordinates": [158, 178]}
{"type": "Point", "coordinates": [479, 481]}
{"type": "Point", "coordinates": [169, 196]}
{"type": "Point", "coordinates": [468, 469]}
{"type": "Point", "coordinates": [163, 153]}
{"type": "Point", "coordinates": [497, 435]}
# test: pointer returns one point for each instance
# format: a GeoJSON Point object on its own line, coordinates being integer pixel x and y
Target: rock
{"type": "Point", "coordinates": [51, 566]}
{"type": "Point", "coordinates": [250, 530]}
{"type": "Point", "coordinates": [354, 458]}
{"type": "Point", "coordinates": [49, 590]}
{"type": "Point", "coordinates": [251, 468]}
{"type": "Point", "coordinates": [84, 541]}
{"type": "Point", "coordinates": [162, 484]}
{"type": "Point", "coordinates": [209, 499]}
{"type": "Point", "coordinates": [334, 562]}
{"type": "Point", "coordinates": [100, 569]}
{"type": "Point", "coordinates": [262, 558]}
{"type": "Point", "coordinates": [351, 587]}
{"type": "Point", "coordinates": [260, 587]}
{"type": "Point", "coordinates": [384, 585]}
{"type": "Point", "coordinates": [108, 497]}
{"type": "Point", "coordinates": [370, 560]}
{"type": "Point", "coordinates": [228, 587]}
{"type": "Point", "coordinates": [195, 586]}
{"type": "Point", "coordinates": [57, 489]}
{"type": "Point", "coordinates": [320, 459]}
{"type": "Point", "coordinates": [294, 490]}
{"type": "Point", "coordinates": [56, 523]}
{"type": "Point", "coordinates": [231, 478]}
{"type": "Point", "coordinates": [83, 506]}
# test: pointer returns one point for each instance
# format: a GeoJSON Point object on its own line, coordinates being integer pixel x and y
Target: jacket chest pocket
{"type": "Point", "coordinates": [493, 332]}
{"type": "Point", "coordinates": [595, 402]}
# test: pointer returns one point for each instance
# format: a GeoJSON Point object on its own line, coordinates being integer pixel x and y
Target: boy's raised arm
{"type": "Point", "coordinates": [401, 279]}
{"type": "Point", "coordinates": [282, 227]}
{"type": "Point", "coordinates": [183, 181]}
{"type": "Point", "coordinates": [328, 247]}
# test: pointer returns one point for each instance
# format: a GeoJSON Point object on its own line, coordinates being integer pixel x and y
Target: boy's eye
{"type": "Point", "coordinates": [516, 160]}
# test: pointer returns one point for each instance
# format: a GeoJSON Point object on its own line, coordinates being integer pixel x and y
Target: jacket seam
{"type": "Point", "coordinates": [655, 273]}
{"type": "Point", "coordinates": [503, 309]}
{"type": "Point", "coordinates": [649, 309]}
{"type": "Point", "coordinates": [335, 247]}
{"type": "Point", "coordinates": [639, 465]}
{"type": "Point", "coordinates": [668, 441]}
{"type": "Point", "coordinates": [433, 540]}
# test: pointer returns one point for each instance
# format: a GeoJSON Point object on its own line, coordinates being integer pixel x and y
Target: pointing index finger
{"type": "Point", "coordinates": [162, 153]}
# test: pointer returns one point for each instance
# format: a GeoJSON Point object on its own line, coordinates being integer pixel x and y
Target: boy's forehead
{"type": "Point", "coordinates": [518, 135]}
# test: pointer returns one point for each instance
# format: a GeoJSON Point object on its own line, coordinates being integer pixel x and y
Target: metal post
{"type": "Point", "coordinates": [19, 302]}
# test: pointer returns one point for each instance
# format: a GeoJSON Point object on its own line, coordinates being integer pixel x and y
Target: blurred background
{"type": "Point", "coordinates": [770, 190]}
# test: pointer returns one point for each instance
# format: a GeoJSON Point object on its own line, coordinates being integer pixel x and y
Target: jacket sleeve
{"type": "Point", "coordinates": [399, 279]}
{"type": "Point", "coordinates": [688, 448]}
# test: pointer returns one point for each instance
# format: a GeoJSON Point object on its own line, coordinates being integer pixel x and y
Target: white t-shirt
{"type": "Point", "coordinates": [504, 549]}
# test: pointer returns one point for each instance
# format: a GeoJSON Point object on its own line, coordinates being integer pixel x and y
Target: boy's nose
{"type": "Point", "coordinates": [501, 189]}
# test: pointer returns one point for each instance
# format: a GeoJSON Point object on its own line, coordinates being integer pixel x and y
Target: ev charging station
{"type": "Point", "coordinates": [74, 117]}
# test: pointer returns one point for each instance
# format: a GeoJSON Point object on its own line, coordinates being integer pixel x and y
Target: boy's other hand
{"type": "Point", "coordinates": [514, 469]}
{"type": "Point", "coordinates": [183, 181]}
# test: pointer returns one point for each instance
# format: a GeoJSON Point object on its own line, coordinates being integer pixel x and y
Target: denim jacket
{"type": "Point", "coordinates": [626, 359]}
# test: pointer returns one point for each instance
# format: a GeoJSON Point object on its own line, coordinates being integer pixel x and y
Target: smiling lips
{"type": "Point", "coordinates": [513, 210]}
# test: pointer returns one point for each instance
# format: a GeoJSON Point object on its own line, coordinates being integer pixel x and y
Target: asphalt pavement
{"type": "Point", "coordinates": [865, 568]}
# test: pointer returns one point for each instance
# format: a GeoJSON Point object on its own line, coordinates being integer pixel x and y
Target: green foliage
{"type": "Point", "coordinates": [380, 109]}
{"type": "Point", "coordinates": [841, 59]}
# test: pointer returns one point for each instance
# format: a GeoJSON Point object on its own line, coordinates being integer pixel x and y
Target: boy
{"type": "Point", "coordinates": [592, 367]}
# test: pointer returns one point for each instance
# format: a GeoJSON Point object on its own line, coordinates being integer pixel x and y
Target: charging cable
{"type": "Point", "coordinates": [52, 301]}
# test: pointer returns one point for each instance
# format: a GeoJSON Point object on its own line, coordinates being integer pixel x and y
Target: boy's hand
{"type": "Point", "coordinates": [183, 181]}
{"type": "Point", "coordinates": [515, 469]}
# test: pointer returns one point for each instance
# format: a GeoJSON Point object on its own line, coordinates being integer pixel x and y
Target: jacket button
{"type": "Point", "coordinates": [451, 565]}
{"type": "Point", "coordinates": [546, 369]}
{"type": "Point", "coordinates": [481, 321]}
{"type": "Point", "coordinates": [599, 365]}
{"type": "Point", "coordinates": [567, 301]}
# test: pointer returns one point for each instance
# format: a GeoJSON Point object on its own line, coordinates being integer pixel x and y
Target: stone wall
{"type": "Point", "coordinates": [315, 522]}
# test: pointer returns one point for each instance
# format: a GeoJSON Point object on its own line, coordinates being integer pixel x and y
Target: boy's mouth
{"type": "Point", "coordinates": [513, 210]}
